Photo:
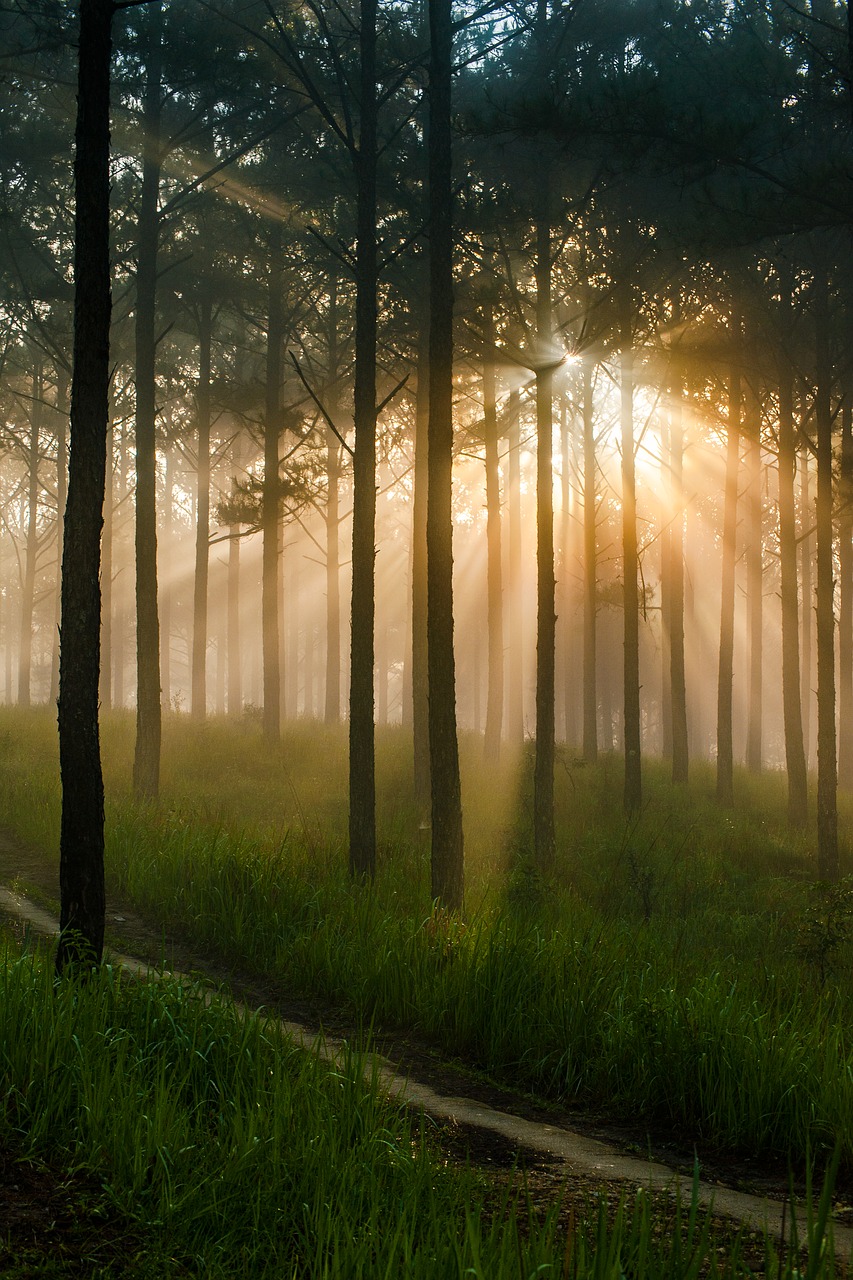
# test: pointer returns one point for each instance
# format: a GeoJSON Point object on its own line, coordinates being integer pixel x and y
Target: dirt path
{"type": "Point", "coordinates": [575, 1154]}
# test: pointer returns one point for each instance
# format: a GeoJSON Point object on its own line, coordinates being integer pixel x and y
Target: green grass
{"type": "Point", "coordinates": [229, 1152]}
{"type": "Point", "coordinates": [680, 969]}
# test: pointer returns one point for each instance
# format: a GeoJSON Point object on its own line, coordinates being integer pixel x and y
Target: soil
{"type": "Point", "coordinates": [546, 1179]}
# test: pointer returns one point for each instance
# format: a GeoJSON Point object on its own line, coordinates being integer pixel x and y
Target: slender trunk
{"type": "Point", "coordinates": [666, 509]}
{"type": "Point", "coordinates": [590, 699]}
{"type": "Point", "coordinates": [515, 701]}
{"type": "Point", "coordinates": [446, 800]}
{"type": "Point", "coordinates": [420, 680]}
{"type": "Point", "coordinates": [107, 577]}
{"type": "Point", "coordinates": [754, 589]}
{"type": "Point", "coordinates": [678, 683]}
{"type": "Point", "coordinates": [81, 841]}
{"type": "Point", "coordinates": [235, 681]}
{"type": "Point", "coordinates": [827, 778]}
{"type": "Point", "coordinates": [567, 658]}
{"type": "Point", "coordinates": [61, 498]}
{"type": "Point", "coordinates": [725, 756]}
{"type": "Point", "coordinates": [845, 619]}
{"type": "Point", "coordinates": [165, 589]}
{"type": "Point", "coordinates": [633, 795]}
{"type": "Point", "coordinates": [270, 523]}
{"type": "Point", "coordinates": [806, 541]}
{"type": "Point", "coordinates": [362, 748]}
{"type": "Point", "coordinates": [795, 756]}
{"type": "Point", "coordinates": [202, 514]}
{"type": "Point", "coordinates": [332, 713]}
{"type": "Point", "coordinates": [543, 770]}
{"type": "Point", "coordinates": [146, 764]}
{"type": "Point", "coordinates": [494, 590]}
{"type": "Point", "coordinates": [25, 642]}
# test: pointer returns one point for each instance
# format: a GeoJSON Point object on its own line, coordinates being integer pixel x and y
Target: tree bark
{"type": "Point", "coordinates": [270, 523]}
{"type": "Point", "coordinates": [81, 841]}
{"type": "Point", "coordinates": [806, 536]}
{"type": "Point", "coordinates": [202, 512]}
{"type": "Point", "coordinates": [543, 769]}
{"type": "Point", "coordinates": [845, 619]}
{"type": "Point", "coordinates": [25, 641]}
{"type": "Point", "coordinates": [515, 656]}
{"type": "Point", "coordinates": [445, 793]}
{"type": "Point", "coordinates": [332, 708]}
{"type": "Point", "coordinates": [590, 698]}
{"type": "Point", "coordinates": [754, 588]}
{"type": "Point", "coordinates": [362, 748]}
{"type": "Point", "coordinates": [61, 498]}
{"type": "Point", "coordinates": [420, 677]}
{"type": "Point", "coordinates": [633, 794]}
{"type": "Point", "coordinates": [146, 764]}
{"type": "Point", "coordinates": [107, 576]}
{"type": "Point", "coordinates": [678, 684]}
{"type": "Point", "coordinates": [494, 589]}
{"type": "Point", "coordinates": [827, 778]}
{"type": "Point", "coordinates": [725, 750]}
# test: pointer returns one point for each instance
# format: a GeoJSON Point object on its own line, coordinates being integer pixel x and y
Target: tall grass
{"type": "Point", "coordinates": [235, 1154]}
{"type": "Point", "coordinates": [653, 976]}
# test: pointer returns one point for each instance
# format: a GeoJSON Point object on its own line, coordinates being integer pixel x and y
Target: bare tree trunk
{"type": "Point", "coordinates": [515, 701]}
{"type": "Point", "coordinates": [81, 841]}
{"type": "Point", "coordinates": [25, 640]}
{"type": "Point", "coordinates": [235, 681]}
{"type": "Point", "coordinates": [107, 577]}
{"type": "Point", "coordinates": [666, 508]}
{"type": "Point", "coordinates": [633, 796]}
{"type": "Point", "coordinates": [754, 587]}
{"type": "Point", "coordinates": [806, 553]}
{"type": "Point", "coordinates": [61, 498]}
{"type": "Point", "coordinates": [362, 747]}
{"type": "Point", "coordinates": [270, 522]}
{"type": "Point", "coordinates": [202, 512]}
{"type": "Point", "coordinates": [494, 589]}
{"type": "Point", "coordinates": [146, 764]}
{"type": "Point", "coordinates": [543, 770]}
{"type": "Point", "coordinates": [446, 801]}
{"type": "Point", "coordinates": [165, 590]}
{"type": "Point", "coordinates": [678, 684]}
{"type": "Point", "coordinates": [795, 756]}
{"type": "Point", "coordinates": [420, 679]}
{"type": "Point", "coordinates": [827, 777]}
{"type": "Point", "coordinates": [590, 698]}
{"type": "Point", "coordinates": [845, 619]}
{"type": "Point", "coordinates": [725, 750]}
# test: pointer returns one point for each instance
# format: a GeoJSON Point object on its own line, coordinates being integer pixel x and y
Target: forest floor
{"type": "Point", "coordinates": [564, 1155]}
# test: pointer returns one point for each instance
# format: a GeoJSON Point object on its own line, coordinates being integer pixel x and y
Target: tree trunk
{"type": "Point", "coordinates": [494, 590]}
{"type": "Point", "coordinates": [270, 522]}
{"type": "Point", "coordinates": [146, 764]}
{"type": "Point", "coordinates": [633, 794]}
{"type": "Point", "coordinates": [754, 588]}
{"type": "Point", "coordinates": [845, 619]}
{"type": "Point", "coordinates": [107, 576]}
{"type": "Point", "coordinates": [81, 841]}
{"type": "Point", "coordinates": [25, 642]}
{"type": "Point", "coordinates": [446, 800]}
{"type": "Point", "coordinates": [543, 769]}
{"type": "Point", "coordinates": [806, 534]}
{"type": "Point", "coordinates": [165, 591]}
{"type": "Point", "coordinates": [678, 684]}
{"type": "Point", "coordinates": [362, 747]}
{"type": "Point", "coordinates": [420, 679]}
{"type": "Point", "coordinates": [515, 663]}
{"type": "Point", "coordinates": [725, 751]}
{"type": "Point", "coordinates": [202, 514]}
{"type": "Point", "coordinates": [666, 507]}
{"type": "Point", "coordinates": [61, 497]}
{"type": "Point", "coordinates": [590, 698]}
{"type": "Point", "coordinates": [827, 779]}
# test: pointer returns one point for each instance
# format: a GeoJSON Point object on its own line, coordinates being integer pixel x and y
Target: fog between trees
{"type": "Point", "coordinates": [651, 408]}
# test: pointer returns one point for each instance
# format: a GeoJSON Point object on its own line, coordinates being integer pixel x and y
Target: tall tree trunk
{"type": "Point", "coordinates": [25, 642]}
{"type": "Point", "coordinates": [61, 498]}
{"type": "Point", "coordinates": [146, 764]}
{"type": "Point", "coordinates": [446, 800]}
{"type": "Point", "coordinates": [633, 795]}
{"type": "Point", "coordinates": [754, 588]}
{"type": "Point", "coordinates": [568, 449]}
{"type": "Point", "coordinates": [827, 778]}
{"type": "Point", "coordinates": [678, 684]}
{"type": "Point", "coordinates": [165, 591]}
{"type": "Point", "coordinates": [270, 522]}
{"type": "Point", "coordinates": [806, 576]}
{"type": "Point", "coordinates": [795, 756]}
{"type": "Point", "coordinates": [666, 506]}
{"type": "Point", "coordinates": [118, 631]}
{"type": "Point", "coordinates": [202, 512]}
{"type": "Point", "coordinates": [494, 591]}
{"type": "Point", "coordinates": [420, 678]}
{"type": "Point", "coordinates": [235, 681]}
{"type": "Point", "coordinates": [543, 770]}
{"type": "Point", "coordinates": [107, 577]}
{"type": "Point", "coordinates": [515, 663]}
{"type": "Point", "coordinates": [362, 747]}
{"type": "Point", "coordinates": [590, 698]}
{"type": "Point", "coordinates": [725, 750]}
{"type": "Point", "coordinates": [332, 711]}
{"type": "Point", "coordinates": [845, 619]}
{"type": "Point", "coordinates": [81, 840]}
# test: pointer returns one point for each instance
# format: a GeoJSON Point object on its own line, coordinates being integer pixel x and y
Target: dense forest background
{"type": "Point", "coordinates": [650, 208]}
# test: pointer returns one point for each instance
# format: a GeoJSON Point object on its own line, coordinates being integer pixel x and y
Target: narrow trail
{"type": "Point", "coordinates": [578, 1155]}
